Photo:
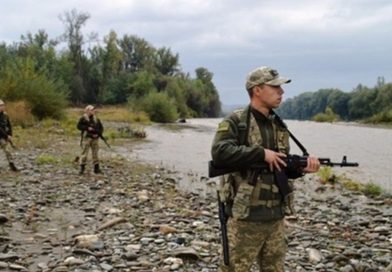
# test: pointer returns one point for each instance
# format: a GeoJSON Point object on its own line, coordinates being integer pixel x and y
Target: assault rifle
{"type": "Point", "coordinates": [294, 163]}
{"type": "Point", "coordinates": [223, 222]}
{"type": "Point", "coordinates": [104, 140]}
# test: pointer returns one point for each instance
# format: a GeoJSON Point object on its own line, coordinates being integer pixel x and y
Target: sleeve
{"type": "Point", "coordinates": [226, 150]}
{"type": "Point", "coordinates": [9, 127]}
{"type": "Point", "coordinates": [82, 124]}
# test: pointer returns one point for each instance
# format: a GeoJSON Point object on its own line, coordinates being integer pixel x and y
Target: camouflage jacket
{"type": "Point", "coordinates": [263, 201]}
{"type": "Point", "coordinates": [85, 122]}
{"type": "Point", "coordinates": [5, 126]}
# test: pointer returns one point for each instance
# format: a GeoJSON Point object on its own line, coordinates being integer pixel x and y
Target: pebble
{"type": "Point", "coordinates": [125, 220]}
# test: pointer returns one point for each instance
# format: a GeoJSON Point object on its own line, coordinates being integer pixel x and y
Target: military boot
{"type": "Point", "coordinates": [82, 168]}
{"type": "Point", "coordinates": [97, 170]}
{"type": "Point", "coordinates": [13, 167]}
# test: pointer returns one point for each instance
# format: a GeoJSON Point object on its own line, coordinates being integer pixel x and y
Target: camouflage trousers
{"type": "Point", "coordinates": [92, 144]}
{"type": "Point", "coordinates": [263, 242]}
{"type": "Point", "coordinates": [4, 144]}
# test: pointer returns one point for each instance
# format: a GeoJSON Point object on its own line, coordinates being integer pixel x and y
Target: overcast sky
{"type": "Point", "coordinates": [318, 44]}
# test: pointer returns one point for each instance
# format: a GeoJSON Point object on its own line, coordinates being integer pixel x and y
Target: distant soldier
{"type": "Point", "coordinates": [91, 130]}
{"type": "Point", "coordinates": [6, 136]}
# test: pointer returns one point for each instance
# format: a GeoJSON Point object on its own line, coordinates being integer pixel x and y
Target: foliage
{"type": "Point", "coordinates": [46, 159]}
{"type": "Point", "coordinates": [20, 80]}
{"type": "Point", "coordinates": [326, 175]}
{"type": "Point", "coordinates": [118, 70]}
{"type": "Point", "coordinates": [381, 117]}
{"type": "Point", "coordinates": [20, 113]}
{"type": "Point", "coordinates": [352, 185]}
{"type": "Point", "coordinates": [328, 116]}
{"type": "Point", "coordinates": [363, 103]}
{"type": "Point", "coordinates": [159, 107]}
{"type": "Point", "coordinates": [372, 189]}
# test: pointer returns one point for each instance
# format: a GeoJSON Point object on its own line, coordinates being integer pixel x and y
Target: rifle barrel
{"type": "Point", "coordinates": [293, 160]}
{"type": "Point", "coordinates": [344, 163]}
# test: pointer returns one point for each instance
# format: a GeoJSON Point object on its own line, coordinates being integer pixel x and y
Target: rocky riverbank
{"type": "Point", "coordinates": [133, 218]}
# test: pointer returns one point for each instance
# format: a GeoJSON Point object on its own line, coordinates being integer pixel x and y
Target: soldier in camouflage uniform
{"type": "Point", "coordinates": [6, 136]}
{"type": "Point", "coordinates": [90, 127]}
{"type": "Point", "coordinates": [253, 202]}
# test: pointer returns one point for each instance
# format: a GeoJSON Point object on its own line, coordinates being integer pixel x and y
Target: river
{"type": "Point", "coordinates": [186, 148]}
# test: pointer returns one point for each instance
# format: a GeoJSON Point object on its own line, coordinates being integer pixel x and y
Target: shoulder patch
{"type": "Point", "coordinates": [223, 126]}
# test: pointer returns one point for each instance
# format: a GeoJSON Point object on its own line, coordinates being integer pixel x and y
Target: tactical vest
{"type": "Point", "coordinates": [91, 122]}
{"type": "Point", "coordinates": [4, 125]}
{"type": "Point", "coordinates": [236, 189]}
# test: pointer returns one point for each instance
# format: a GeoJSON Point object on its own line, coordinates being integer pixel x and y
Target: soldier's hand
{"type": "Point", "coordinates": [313, 165]}
{"type": "Point", "coordinates": [274, 159]}
{"type": "Point", "coordinates": [9, 138]}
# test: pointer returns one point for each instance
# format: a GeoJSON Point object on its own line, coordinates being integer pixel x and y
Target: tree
{"type": "Point", "coordinates": [338, 102]}
{"type": "Point", "coordinates": [126, 69]}
{"type": "Point", "coordinates": [359, 105]}
{"type": "Point", "coordinates": [73, 22]}
{"type": "Point", "coordinates": [21, 81]}
{"type": "Point", "coordinates": [138, 53]}
{"type": "Point", "coordinates": [40, 48]}
{"type": "Point", "coordinates": [165, 62]}
{"type": "Point", "coordinates": [111, 58]}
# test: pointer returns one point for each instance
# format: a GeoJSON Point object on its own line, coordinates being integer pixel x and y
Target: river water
{"type": "Point", "coordinates": [186, 148]}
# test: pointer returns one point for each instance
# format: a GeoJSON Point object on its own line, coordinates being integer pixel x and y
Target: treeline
{"type": "Point", "coordinates": [117, 70]}
{"type": "Point", "coordinates": [363, 103]}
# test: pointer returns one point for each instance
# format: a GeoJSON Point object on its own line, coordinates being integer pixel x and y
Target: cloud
{"type": "Point", "coordinates": [318, 43]}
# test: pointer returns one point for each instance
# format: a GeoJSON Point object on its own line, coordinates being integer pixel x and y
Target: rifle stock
{"type": "Point", "coordinates": [292, 161]}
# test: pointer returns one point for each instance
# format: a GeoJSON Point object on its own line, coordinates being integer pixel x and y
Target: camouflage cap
{"type": "Point", "coordinates": [1, 102]}
{"type": "Point", "coordinates": [265, 75]}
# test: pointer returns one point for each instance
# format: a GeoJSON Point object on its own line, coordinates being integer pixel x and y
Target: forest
{"type": "Point", "coordinates": [51, 74]}
{"type": "Point", "coordinates": [370, 105]}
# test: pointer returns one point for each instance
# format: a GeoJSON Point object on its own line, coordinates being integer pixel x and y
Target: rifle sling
{"type": "Point", "coordinates": [296, 141]}
{"type": "Point", "coordinates": [244, 130]}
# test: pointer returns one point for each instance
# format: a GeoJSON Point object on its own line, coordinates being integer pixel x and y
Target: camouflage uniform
{"type": "Point", "coordinates": [252, 198]}
{"type": "Point", "coordinates": [90, 140]}
{"type": "Point", "coordinates": [5, 131]}
{"type": "Point", "coordinates": [255, 228]}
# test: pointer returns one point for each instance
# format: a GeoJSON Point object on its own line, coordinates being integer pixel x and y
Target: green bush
{"type": "Point", "coordinates": [381, 117]}
{"type": "Point", "coordinates": [159, 106]}
{"type": "Point", "coordinates": [372, 189]}
{"type": "Point", "coordinates": [20, 80]}
{"type": "Point", "coordinates": [326, 175]}
{"type": "Point", "coordinates": [328, 116]}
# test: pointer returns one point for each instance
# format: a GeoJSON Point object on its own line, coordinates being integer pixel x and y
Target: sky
{"type": "Point", "coordinates": [318, 44]}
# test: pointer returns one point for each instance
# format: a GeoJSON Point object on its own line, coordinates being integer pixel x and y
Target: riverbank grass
{"type": "Point", "coordinates": [327, 176]}
{"type": "Point", "coordinates": [119, 123]}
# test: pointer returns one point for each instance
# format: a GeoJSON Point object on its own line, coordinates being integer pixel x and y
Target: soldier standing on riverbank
{"type": "Point", "coordinates": [91, 130]}
{"type": "Point", "coordinates": [6, 136]}
{"type": "Point", "coordinates": [253, 200]}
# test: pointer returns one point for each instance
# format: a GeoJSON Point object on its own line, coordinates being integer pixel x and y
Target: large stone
{"type": "Point", "coordinates": [3, 218]}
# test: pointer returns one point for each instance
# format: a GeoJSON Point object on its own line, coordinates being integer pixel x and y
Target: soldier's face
{"type": "Point", "coordinates": [91, 112]}
{"type": "Point", "coordinates": [270, 96]}
{"type": "Point", "coordinates": [2, 108]}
